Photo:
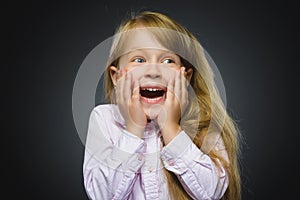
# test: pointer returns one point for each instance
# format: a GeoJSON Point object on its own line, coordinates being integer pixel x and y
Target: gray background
{"type": "Point", "coordinates": [252, 43]}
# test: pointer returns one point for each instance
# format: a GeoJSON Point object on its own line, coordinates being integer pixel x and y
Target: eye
{"type": "Point", "coordinates": [139, 60]}
{"type": "Point", "coordinates": [167, 61]}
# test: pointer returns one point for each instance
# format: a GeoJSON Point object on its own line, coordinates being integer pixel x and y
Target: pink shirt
{"type": "Point", "coordinates": [120, 165]}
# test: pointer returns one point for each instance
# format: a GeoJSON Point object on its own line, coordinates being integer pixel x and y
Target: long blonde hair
{"type": "Point", "coordinates": [207, 100]}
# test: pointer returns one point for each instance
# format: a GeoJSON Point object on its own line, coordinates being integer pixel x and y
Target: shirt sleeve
{"type": "Point", "coordinates": [198, 174]}
{"type": "Point", "coordinates": [110, 168]}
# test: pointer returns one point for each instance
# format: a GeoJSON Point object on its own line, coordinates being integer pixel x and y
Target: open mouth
{"type": "Point", "coordinates": [152, 95]}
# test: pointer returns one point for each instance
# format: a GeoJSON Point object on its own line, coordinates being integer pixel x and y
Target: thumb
{"type": "Point", "coordinates": [136, 91]}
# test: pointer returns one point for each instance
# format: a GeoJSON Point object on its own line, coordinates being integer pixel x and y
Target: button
{"type": "Point", "coordinates": [150, 169]}
{"type": "Point", "coordinates": [171, 162]}
{"type": "Point", "coordinates": [140, 156]}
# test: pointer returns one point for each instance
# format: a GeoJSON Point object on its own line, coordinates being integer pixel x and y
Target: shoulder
{"type": "Point", "coordinates": [108, 113]}
{"type": "Point", "coordinates": [104, 110]}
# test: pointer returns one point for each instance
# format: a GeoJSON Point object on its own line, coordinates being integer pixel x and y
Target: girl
{"type": "Point", "coordinates": [166, 133]}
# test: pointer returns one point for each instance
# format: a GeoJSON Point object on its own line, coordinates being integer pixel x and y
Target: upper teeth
{"type": "Point", "coordinates": [152, 89]}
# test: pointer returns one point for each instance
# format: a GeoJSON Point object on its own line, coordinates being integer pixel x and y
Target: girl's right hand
{"type": "Point", "coordinates": [128, 101]}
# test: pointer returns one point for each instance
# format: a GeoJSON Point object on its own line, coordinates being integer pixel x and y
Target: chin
{"type": "Point", "coordinates": [152, 111]}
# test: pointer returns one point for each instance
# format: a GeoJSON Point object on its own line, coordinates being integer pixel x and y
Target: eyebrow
{"type": "Point", "coordinates": [145, 49]}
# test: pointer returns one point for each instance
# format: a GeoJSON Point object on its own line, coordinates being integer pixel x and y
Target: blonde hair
{"type": "Point", "coordinates": [207, 101]}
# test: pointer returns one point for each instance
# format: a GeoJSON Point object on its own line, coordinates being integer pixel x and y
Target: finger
{"type": "Point", "coordinates": [119, 72]}
{"type": "Point", "coordinates": [127, 87]}
{"type": "Point", "coordinates": [177, 87]}
{"type": "Point", "coordinates": [136, 91]}
{"type": "Point", "coordinates": [170, 89]}
{"type": "Point", "coordinates": [121, 86]}
{"type": "Point", "coordinates": [183, 83]}
{"type": "Point", "coordinates": [118, 86]}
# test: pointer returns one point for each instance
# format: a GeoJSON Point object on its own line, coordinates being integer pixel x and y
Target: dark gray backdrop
{"type": "Point", "coordinates": [252, 43]}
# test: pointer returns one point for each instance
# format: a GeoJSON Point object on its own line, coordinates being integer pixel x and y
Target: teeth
{"type": "Point", "coordinates": [153, 100]}
{"type": "Point", "coordinates": [152, 89]}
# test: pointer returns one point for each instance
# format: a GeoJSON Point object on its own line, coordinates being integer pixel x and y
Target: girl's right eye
{"type": "Point", "coordinates": [139, 60]}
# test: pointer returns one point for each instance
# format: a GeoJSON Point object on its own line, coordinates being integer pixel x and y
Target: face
{"type": "Point", "coordinates": [152, 65]}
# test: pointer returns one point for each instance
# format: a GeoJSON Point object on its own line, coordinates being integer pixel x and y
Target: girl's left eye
{"type": "Point", "coordinates": [139, 60]}
{"type": "Point", "coordinates": [167, 61]}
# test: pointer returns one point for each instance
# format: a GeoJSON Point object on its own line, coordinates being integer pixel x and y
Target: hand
{"type": "Point", "coordinates": [175, 104]}
{"type": "Point", "coordinates": [128, 100]}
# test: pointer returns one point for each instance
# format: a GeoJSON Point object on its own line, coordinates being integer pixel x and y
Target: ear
{"type": "Point", "coordinates": [113, 74]}
{"type": "Point", "coordinates": [189, 74]}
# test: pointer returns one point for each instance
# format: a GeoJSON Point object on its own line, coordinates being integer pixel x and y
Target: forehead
{"type": "Point", "coordinates": [140, 38]}
{"type": "Point", "coordinates": [150, 51]}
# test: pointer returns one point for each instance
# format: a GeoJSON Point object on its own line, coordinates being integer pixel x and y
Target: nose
{"type": "Point", "coordinates": [153, 71]}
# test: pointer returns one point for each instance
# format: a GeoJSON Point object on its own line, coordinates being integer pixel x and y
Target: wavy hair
{"type": "Point", "coordinates": [207, 100]}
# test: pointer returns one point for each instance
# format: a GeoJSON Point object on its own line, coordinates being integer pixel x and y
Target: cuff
{"type": "Point", "coordinates": [176, 147]}
{"type": "Point", "coordinates": [130, 143]}
{"type": "Point", "coordinates": [128, 150]}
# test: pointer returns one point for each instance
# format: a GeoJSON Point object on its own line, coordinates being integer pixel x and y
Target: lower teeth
{"type": "Point", "coordinates": [153, 99]}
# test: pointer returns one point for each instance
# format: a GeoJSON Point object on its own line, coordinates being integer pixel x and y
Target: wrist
{"type": "Point", "coordinates": [169, 132]}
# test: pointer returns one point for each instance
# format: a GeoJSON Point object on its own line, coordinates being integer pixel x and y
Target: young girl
{"type": "Point", "coordinates": [166, 133]}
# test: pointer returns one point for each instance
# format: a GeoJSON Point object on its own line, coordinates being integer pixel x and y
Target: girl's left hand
{"type": "Point", "coordinates": [173, 107]}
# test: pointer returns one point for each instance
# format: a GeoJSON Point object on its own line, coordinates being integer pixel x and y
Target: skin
{"type": "Point", "coordinates": [151, 66]}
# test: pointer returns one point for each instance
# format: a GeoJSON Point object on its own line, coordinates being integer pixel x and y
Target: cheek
{"type": "Point", "coordinates": [137, 72]}
{"type": "Point", "coordinates": [168, 73]}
